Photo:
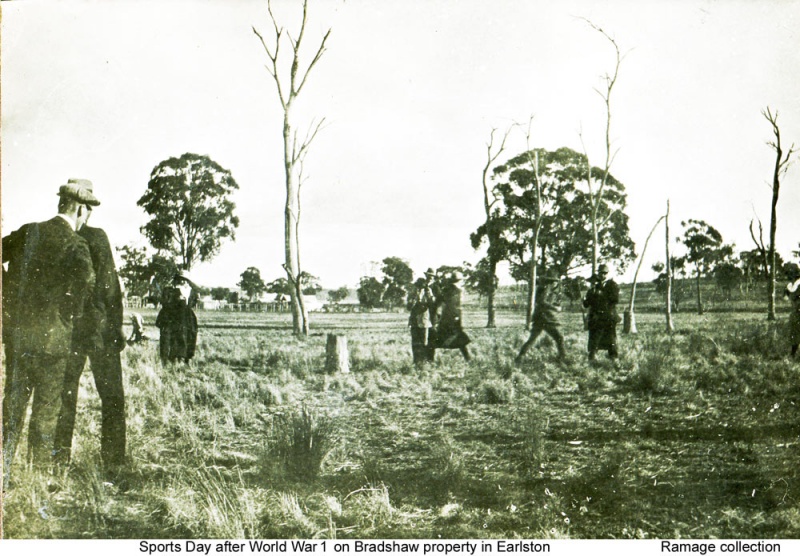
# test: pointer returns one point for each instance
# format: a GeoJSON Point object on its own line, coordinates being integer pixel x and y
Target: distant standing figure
{"type": "Point", "coordinates": [98, 337]}
{"type": "Point", "coordinates": [792, 291]}
{"type": "Point", "coordinates": [429, 297]}
{"type": "Point", "coordinates": [602, 318]}
{"type": "Point", "coordinates": [137, 332]}
{"type": "Point", "coordinates": [450, 332]}
{"type": "Point", "coordinates": [49, 276]}
{"type": "Point", "coordinates": [177, 322]}
{"type": "Point", "coordinates": [419, 322]}
{"type": "Point", "coordinates": [545, 319]}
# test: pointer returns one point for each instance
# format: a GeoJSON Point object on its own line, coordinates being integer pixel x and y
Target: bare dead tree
{"type": "Point", "coordinates": [629, 320]}
{"type": "Point", "coordinates": [489, 202]}
{"type": "Point", "coordinates": [761, 247]}
{"type": "Point", "coordinates": [596, 191]}
{"type": "Point", "coordinates": [533, 159]}
{"type": "Point", "coordinates": [668, 270]}
{"type": "Point", "coordinates": [289, 85]}
{"type": "Point", "coordinates": [781, 166]}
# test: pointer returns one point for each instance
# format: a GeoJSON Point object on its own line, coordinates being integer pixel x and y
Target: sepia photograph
{"type": "Point", "coordinates": [495, 274]}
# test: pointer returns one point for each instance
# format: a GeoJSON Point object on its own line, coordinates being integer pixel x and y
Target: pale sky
{"type": "Point", "coordinates": [410, 91]}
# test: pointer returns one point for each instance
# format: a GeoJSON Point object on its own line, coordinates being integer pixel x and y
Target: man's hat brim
{"type": "Point", "coordinates": [77, 193]}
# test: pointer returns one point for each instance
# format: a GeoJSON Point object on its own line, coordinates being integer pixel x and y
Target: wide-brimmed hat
{"type": "Point", "coordinates": [80, 190]}
{"type": "Point", "coordinates": [430, 272]}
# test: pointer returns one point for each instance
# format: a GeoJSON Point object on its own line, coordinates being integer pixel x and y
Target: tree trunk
{"type": "Point", "coordinates": [292, 242]}
{"type": "Point", "coordinates": [337, 358]}
{"type": "Point", "coordinates": [699, 301]}
{"type": "Point", "coordinates": [595, 242]}
{"type": "Point", "coordinates": [490, 321]}
{"type": "Point", "coordinates": [668, 270]}
{"type": "Point", "coordinates": [773, 227]}
{"type": "Point", "coordinates": [629, 322]}
{"type": "Point", "coordinates": [781, 165]}
{"type": "Point", "coordinates": [532, 288]}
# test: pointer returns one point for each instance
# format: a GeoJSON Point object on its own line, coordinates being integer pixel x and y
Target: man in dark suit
{"type": "Point", "coordinates": [601, 302]}
{"type": "Point", "coordinates": [98, 337]}
{"type": "Point", "coordinates": [49, 276]}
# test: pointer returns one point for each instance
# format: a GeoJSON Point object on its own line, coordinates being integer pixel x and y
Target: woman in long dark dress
{"type": "Point", "coordinates": [450, 332]}
{"type": "Point", "coordinates": [177, 322]}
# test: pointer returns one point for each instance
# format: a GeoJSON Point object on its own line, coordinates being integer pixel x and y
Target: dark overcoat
{"type": "Point", "coordinates": [48, 279]}
{"type": "Point", "coordinates": [49, 276]}
{"type": "Point", "coordinates": [100, 327]}
{"type": "Point", "coordinates": [177, 325]}
{"type": "Point", "coordinates": [601, 302]}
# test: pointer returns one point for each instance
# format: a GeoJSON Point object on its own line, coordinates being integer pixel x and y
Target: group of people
{"type": "Point", "coordinates": [601, 316]}
{"type": "Point", "coordinates": [436, 320]}
{"type": "Point", "coordinates": [62, 306]}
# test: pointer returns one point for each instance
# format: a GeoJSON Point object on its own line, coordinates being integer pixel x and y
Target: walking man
{"type": "Point", "coordinates": [601, 304]}
{"type": "Point", "coordinates": [98, 337]}
{"type": "Point", "coordinates": [48, 279]}
{"type": "Point", "coordinates": [545, 319]}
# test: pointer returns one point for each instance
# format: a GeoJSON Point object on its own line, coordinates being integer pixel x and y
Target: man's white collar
{"type": "Point", "coordinates": [72, 222]}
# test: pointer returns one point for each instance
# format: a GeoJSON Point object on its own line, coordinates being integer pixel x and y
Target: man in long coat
{"type": "Point", "coordinates": [49, 276]}
{"type": "Point", "coordinates": [792, 291]}
{"type": "Point", "coordinates": [98, 336]}
{"type": "Point", "coordinates": [601, 302]}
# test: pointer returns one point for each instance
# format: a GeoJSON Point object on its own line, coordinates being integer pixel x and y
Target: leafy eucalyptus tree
{"type": "Point", "coordinates": [546, 213]}
{"type": "Point", "coordinates": [191, 213]}
{"type": "Point", "coordinates": [705, 249]}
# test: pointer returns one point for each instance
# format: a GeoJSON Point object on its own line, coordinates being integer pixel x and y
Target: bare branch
{"type": "Point", "coordinates": [318, 55]}
{"type": "Point", "coordinates": [490, 159]}
{"type": "Point", "coordinates": [274, 59]}
{"type": "Point", "coordinates": [310, 135]}
{"type": "Point", "coordinates": [608, 217]}
{"type": "Point", "coordinates": [588, 163]}
{"type": "Point", "coordinates": [613, 156]}
{"type": "Point", "coordinates": [278, 29]}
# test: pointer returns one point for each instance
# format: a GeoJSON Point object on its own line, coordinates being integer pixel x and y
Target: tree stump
{"type": "Point", "coordinates": [337, 358]}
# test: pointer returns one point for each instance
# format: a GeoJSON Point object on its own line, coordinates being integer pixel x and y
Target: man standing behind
{"type": "Point", "coordinates": [98, 336]}
{"type": "Point", "coordinates": [792, 291]}
{"type": "Point", "coordinates": [49, 276]}
{"type": "Point", "coordinates": [601, 301]}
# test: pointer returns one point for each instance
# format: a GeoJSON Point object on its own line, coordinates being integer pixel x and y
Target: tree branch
{"type": "Point", "coordinates": [274, 59]}
{"type": "Point", "coordinates": [490, 158]}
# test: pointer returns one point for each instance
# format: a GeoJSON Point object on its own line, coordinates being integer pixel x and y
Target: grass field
{"type": "Point", "coordinates": [693, 435]}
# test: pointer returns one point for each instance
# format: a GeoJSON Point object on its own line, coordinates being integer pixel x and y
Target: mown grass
{"type": "Point", "coordinates": [690, 435]}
